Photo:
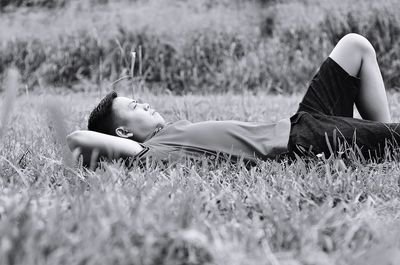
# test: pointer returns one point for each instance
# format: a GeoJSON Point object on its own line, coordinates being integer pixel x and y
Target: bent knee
{"type": "Point", "coordinates": [359, 44]}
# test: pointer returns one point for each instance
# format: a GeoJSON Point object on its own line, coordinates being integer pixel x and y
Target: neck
{"type": "Point", "coordinates": [158, 128]}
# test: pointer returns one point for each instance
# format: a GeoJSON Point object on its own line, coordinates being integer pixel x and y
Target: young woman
{"type": "Point", "coordinates": [120, 127]}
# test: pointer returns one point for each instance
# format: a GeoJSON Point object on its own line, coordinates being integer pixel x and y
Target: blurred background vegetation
{"type": "Point", "coordinates": [201, 46]}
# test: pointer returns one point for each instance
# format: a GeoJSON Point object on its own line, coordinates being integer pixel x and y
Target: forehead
{"type": "Point", "coordinates": [120, 103]}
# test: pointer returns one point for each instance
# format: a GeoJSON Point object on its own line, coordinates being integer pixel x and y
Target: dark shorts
{"type": "Point", "coordinates": [324, 122]}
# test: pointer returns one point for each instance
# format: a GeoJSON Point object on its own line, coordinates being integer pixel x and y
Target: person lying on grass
{"type": "Point", "coordinates": [120, 127]}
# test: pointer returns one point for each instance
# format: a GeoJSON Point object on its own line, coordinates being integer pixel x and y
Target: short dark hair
{"type": "Point", "coordinates": [101, 118]}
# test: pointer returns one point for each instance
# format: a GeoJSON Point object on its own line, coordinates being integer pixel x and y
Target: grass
{"type": "Point", "coordinates": [192, 46]}
{"type": "Point", "coordinates": [10, 95]}
{"type": "Point", "coordinates": [317, 212]}
{"type": "Point", "coordinates": [276, 213]}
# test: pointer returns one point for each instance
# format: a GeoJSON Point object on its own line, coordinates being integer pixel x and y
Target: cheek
{"type": "Point", "coordinates": [144, 120]}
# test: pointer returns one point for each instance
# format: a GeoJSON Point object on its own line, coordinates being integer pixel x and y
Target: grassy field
{"type": "Point", "coordinates": [276, 213]}
{"type": "Point", "coordinates": [190, 46]}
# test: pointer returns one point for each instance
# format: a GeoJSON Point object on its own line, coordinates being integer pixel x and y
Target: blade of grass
{"type": "Point", "coordinates": [23, 177]}
{"type": "Point", "coordinates": [56, 118]}
{"type": "Point", "coordinates": [11, 89]}
{"type": "Point", "coordinates": [133, 54]}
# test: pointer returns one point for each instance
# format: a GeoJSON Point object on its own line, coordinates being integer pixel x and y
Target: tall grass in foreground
{"type": "Point", "coordinates": [276, 213]}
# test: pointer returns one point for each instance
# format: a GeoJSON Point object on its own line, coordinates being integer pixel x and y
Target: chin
{"type": "Point", "coordinates": [159, 119]}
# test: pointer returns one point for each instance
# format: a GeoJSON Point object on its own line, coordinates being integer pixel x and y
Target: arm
{"type": "Point", "coordinates": [93, 146]}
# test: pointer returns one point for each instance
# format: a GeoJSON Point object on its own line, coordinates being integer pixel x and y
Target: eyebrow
{"type": "Point", "coordinates": [133, 101]}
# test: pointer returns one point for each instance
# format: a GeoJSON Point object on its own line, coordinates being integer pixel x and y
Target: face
{"type": "Point", "coordinates": [135, 120]}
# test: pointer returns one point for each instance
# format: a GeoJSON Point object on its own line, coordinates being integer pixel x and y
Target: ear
{"type": "Point", "coordinates": [122, 132]}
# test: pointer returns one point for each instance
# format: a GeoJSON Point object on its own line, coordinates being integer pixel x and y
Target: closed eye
{"type": "Point", "coordinates": [133, 104]}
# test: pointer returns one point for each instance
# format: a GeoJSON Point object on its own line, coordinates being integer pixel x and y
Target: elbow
{"type": "Point", "coordinates": [73, 139]}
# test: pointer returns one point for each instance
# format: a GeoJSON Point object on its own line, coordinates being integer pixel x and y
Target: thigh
{"type": "Point", "coordinates": [314, 134]}
{"type": "Point", "coordinates": [332, 91]}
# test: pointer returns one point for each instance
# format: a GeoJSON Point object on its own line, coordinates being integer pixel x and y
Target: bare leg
{"type": "Point", "coordinates": [356, 55]}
